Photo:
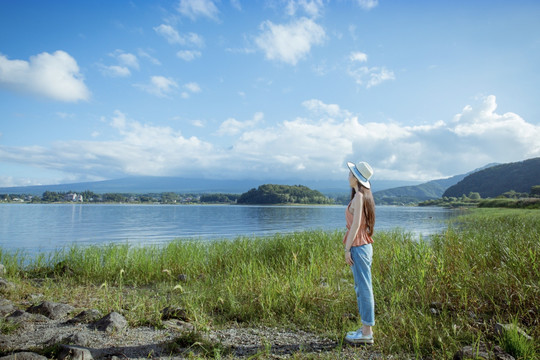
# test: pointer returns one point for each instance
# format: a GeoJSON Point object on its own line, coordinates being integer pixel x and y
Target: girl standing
{"type": "Point", "coordinates": [360, 216]}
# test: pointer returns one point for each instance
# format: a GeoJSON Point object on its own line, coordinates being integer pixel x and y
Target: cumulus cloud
{"type": "Point", "coordinates": [159, 86]}
{"type": "Point", "coordinates": [291, 42]}
{"type": "Point", "coordinates": [318, 107]}
{"type": "Point", "coordinates": [55, 76]}
{"type": "Point", "coordinates": [313, 147]}
{"type": "Point", "coordinates": [174, 37]}
{"type": "Point", "coordinates": [233, 127]}
{"type": "Point", "coordinates": [138, 149]}
{"type": "Point", "coordinates": [198, 8]}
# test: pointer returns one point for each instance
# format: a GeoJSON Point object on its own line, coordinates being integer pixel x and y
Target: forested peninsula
{"type": "Point", "coordinates": [283, 194]}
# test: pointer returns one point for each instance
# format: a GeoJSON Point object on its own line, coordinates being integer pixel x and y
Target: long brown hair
{"type": "Point", "coordinates": [368, 208]}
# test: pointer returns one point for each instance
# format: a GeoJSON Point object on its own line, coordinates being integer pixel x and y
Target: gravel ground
{"type": "Point", "coordinates": [146, 342]}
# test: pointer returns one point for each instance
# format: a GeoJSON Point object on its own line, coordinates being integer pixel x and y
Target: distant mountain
{"type": "Point", "coordinates": [496, 180]}
{"type": "Point", "coordinates": [154, 184]}
{"type": "Point", "coordinates": [433, 189]}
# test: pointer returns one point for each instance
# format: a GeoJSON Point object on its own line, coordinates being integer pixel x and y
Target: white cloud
{"type": "Point", "coordinates": [159, 86]}
{"type": "Point", "coordinates": [115, 71]}
{"type": "Point", "coordinates": [291, 42]}
{"type": "Point", "coordinates": [198, 8]}
{"type": "Point", "coordinates": [125, 62]}
{"type": "Point", "coordinates": [188, 55]}
{"type": "Point", "coordinates": [358, 56]}
{"type": "Point", "coordinates": [193, 87]}
{"type": "Point", "coordinates": [144, 54]}
{"type": "Point", "coordinates": [174, 37]}
{"type": "Point", "coordinates": [314, 147]}
{"type": "Point", "coordinates": [55, 76]}
{"type": "Point", "coordinates": [233, 127]}
{"type": "Point", "coordinates": [127, 59]}
{"type": "Point", "coordinates": [317, 107]}
{"type": "Point", "coordinates": [367, 4]}
{"type": "Point", "coordinates": [369, 77]}
{"type": "Point", "coordinates": [313, 8]}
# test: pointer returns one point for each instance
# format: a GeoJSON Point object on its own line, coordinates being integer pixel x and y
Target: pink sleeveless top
{"type": "Point", "coordinates": [362, 237]}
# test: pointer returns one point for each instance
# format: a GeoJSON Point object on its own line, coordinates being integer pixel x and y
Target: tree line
{"type": "Point", "coordinates": [265, 194]}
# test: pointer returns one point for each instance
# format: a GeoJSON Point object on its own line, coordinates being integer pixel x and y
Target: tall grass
{"type": "Point", "coordinates": [432, 295]}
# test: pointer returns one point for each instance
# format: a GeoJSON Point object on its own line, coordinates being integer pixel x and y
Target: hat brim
{"type": "Point", "coordinates": [365, 182]}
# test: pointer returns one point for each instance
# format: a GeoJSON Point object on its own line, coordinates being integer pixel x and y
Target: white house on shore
{"type": "Point", "coordinates": [73, 197]}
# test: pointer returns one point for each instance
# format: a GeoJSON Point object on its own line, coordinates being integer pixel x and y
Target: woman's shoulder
{"type": "Point", "coordinates": [358, 198]}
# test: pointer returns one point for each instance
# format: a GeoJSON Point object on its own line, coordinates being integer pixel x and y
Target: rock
{"type": "Point", "coordinates": [69, 352]}
{"type": "Point", "coordinates": [473, 352]}
{"type": "Point", "coordinates": [481, 352]}
{"type": "Point", "coordinates": [86, 316]}
{"type": "Point", "coordinates": [51, 310]}
{"type": "Point", "coordinates": [179, 325]}
{"type": "Point", "coordinates": [24, 356]}
{"type": "Point", "coordinates": [6, 307]}
{"type": "Point", "coordinates": [182, 277]}
{"type": "Point", "coordinates": [79, 339]}
{"type": "Point", "coordinates": [19, 316]}
{"type": "Point", "coordinates": [5, 285]}
{"type": "Point", "coordinates": [174, 313]}
{"type": "Point", "coordinates": [501, 329]}
{"type": "Point", "coordinates": [111, 322]}
{"type": "Point", "coordinates": [2, 270]}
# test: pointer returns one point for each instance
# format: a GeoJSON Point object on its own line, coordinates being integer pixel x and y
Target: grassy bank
{"type": "Point", "coordinates": [432, 298]}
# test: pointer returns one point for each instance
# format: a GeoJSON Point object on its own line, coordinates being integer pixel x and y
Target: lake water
{"type": "Point", "coordinates": [33, 228]}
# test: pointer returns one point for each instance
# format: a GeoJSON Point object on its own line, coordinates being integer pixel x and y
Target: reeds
{"type": "Point", "coordinates": [432, 295]}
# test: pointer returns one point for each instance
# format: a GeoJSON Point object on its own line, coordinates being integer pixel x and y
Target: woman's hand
{"type": "Point", "coordinates": [348, 258]}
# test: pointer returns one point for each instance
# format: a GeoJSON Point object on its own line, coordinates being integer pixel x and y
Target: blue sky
{"type": "Point", "coordinates": [267, 89]}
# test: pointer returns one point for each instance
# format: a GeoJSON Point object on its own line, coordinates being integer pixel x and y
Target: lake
{"type": "Point", "coordinates": [34, 228]}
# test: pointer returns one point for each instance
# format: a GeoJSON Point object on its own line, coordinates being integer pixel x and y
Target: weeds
{"type": "Point", "coordinates": [485, 266]}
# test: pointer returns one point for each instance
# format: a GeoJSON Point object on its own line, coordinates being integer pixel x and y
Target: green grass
{"type": "Point", "coordinates": [484, 269]}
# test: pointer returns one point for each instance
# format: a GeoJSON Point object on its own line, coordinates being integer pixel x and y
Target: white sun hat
{"type": "Point", "coordinates": [362, 171]}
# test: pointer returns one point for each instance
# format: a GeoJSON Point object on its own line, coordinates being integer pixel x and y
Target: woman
{"type": "Point", "coordinates": [360, 216]}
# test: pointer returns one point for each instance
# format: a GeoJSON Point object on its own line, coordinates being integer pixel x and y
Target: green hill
{"type": "Point", "coordinates": [430, 190]}
{"type": "Point", "coordinates": [283, 194]}
{"type": "Point", "coordinates": [497, 180]}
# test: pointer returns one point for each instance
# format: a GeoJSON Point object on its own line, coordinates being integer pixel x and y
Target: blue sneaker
{"type": "Point", "coordinates": [357, 337]}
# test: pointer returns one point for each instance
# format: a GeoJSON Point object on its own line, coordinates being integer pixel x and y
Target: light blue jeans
{"type": "Point", "coordinates": [362, 257]}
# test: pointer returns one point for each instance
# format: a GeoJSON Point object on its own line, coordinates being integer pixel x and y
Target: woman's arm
{"type": "Point", "coordinates": [356, 206]}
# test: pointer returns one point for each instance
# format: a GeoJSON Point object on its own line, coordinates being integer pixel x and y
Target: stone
{"type": "Point", "coordinates": [481, 352]}
{"type": "Point", "coordinates": [79, 339]}
{"type": "Point", "coordinates": [69, 352]}
{"type": "Point", "coordinates": [111, 323]}
{"type": "Point", "coordinates": [6, 307]}
{"type": "Point", "coordinates": [86, 316]}
{"type": "Point", "coordinates": [24, 356]}
{"type": "Point", "coordinates": [51, 310]}
{"type": "Point", "coordinates": [2, 270]}
{"type": "Point", "coordinates": [174, 313]}
{"type": "Point", "coordinates": [5, 285]}
{"type": "Point", "coordinates": [19, 316]}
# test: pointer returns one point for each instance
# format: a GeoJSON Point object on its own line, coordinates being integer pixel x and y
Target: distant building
{"type": "Point", "coordinates": [74, 197]}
